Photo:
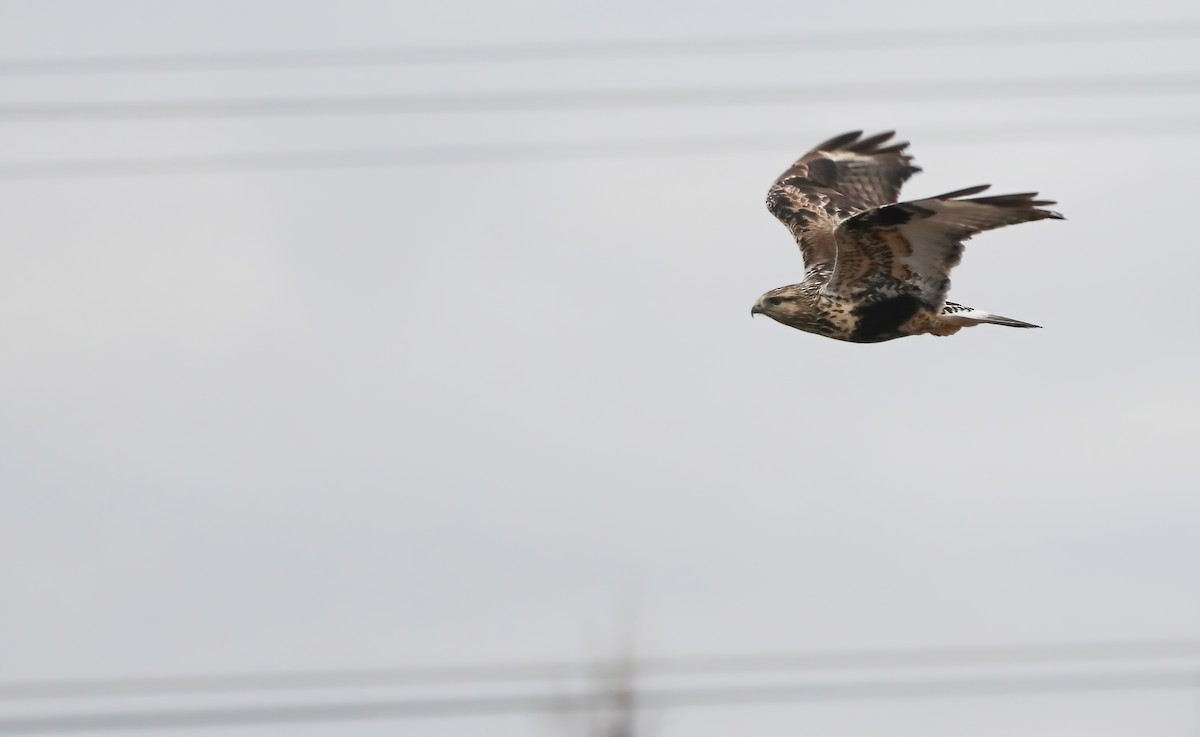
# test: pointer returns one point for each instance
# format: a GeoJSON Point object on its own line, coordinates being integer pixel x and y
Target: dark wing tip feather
{"type": "Point", "coordinates": [958, 193]}
{"type": "Point", "coordinates": [869, 145]}
{"type": "Point", "coordinates": [853, 141]}
{"type": "Point", "coordinates": [1019, 200]}
{"type": "Point", "coordinates": [837, 142]}
{"type": "Point", "coordinates": [1023, 201]}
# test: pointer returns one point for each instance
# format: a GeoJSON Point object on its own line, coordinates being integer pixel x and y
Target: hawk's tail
{"type": "Point", "coordinates": [955, 316]}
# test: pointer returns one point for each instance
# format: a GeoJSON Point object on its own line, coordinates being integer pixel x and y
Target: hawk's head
{"type": "Point", "coordinates": [783, 304]}
{"type": "Point", "coordinates": [796, 306]}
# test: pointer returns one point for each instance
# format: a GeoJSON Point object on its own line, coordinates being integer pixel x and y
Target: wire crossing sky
{"type": "Point", "coordinates": [501, 153]}
{"type": "Point", "coordinates": [945, 688]}
{"type": "Point", "coordinates": [1015, 35]}
{"type": "Point", "coordinates": [493, 102]}
{"type": "Point", "coordinates": [1055, 653]}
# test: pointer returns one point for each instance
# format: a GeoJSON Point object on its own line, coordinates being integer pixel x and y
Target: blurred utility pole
{"type": "Point", "coordinates": [609, 694]}
{"type": "Point", "coordinates": [618, 700]}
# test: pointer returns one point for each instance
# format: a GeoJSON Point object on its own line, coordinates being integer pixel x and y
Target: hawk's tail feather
{"type": "Point", "coordinates": [956, 314]}
{"type": "Point", "coordinates": [1008, 322]}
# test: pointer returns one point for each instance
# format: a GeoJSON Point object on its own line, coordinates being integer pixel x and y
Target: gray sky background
{"type": "Point", "coordinates": [474, 412]}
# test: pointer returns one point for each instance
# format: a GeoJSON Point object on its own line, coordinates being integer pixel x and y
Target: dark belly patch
{"type": "Point", "coordinates": [881, 320]}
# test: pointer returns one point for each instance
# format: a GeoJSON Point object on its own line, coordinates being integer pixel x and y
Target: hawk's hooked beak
{"type": "Point", "coordinates": [755, 310]}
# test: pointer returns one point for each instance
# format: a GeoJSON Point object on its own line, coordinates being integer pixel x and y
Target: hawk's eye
{"type": "Point", "coordinates": [774, 301]}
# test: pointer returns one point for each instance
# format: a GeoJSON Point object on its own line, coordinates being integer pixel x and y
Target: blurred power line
{"type": "Point", "coordinates": [623, 99]}
{"type": "Point", "coordinates": [1145, 129]}
{"type": "Point", "coordinates": [617, 672]}
{"type": "Point", "coordinates": [535, 703]}
{"type": "Point", "coordinates": [916, 38]}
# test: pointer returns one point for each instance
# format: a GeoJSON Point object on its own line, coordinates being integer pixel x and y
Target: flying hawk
{"type": "Point", "coordinates": [876, 269]}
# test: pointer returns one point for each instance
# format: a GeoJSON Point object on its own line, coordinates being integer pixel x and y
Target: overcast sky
{"type": "Point", "coordinates": [505, 411]}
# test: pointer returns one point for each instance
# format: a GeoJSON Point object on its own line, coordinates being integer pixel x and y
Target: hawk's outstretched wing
{"type": "Point", "coordinates": [911, 247]}
{"type": "Point", "coordinates": [836, 180]}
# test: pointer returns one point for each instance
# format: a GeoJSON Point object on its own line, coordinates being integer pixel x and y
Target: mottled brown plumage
{"type": "Point", "coordinates": [876, 269]}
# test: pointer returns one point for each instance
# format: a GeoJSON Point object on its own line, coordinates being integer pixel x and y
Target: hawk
{"type": "Point", "coordinates": [876, 269]}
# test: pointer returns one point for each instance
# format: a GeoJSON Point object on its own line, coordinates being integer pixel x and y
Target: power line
{"type": "Point", "coordinates": [918, 38]}
{"type": "Point", "coordinates": [1146, 129]}
{"type": "Point", "coordinates": [554, 100]}
{"type": "Point", "coordinates": [1082, 652]}
{"type": "Point", "coordinates": [540, 703]}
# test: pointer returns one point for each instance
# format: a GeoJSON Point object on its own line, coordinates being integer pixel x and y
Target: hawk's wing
{"type": "Point", "coordinates": [911, 247]}
{"type": "Point", "coordinates": [839, 178]}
